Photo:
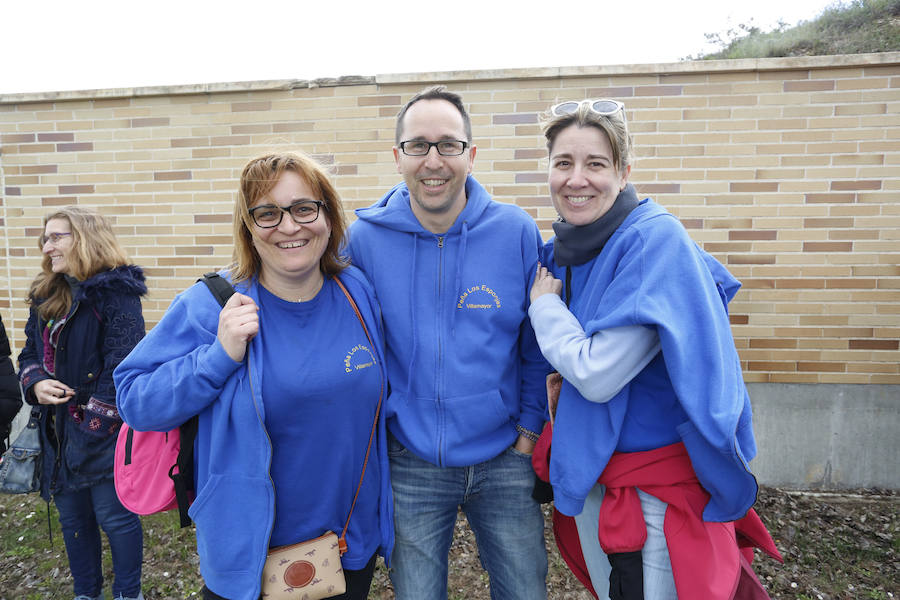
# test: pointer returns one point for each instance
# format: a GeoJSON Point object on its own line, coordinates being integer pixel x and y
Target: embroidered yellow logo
{"type": "Point", "coordinates": [359, 357]}
{"type": "Point", "coordinates": [479, 297]}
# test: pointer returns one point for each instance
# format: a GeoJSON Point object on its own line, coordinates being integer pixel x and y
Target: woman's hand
{"type": "Point", "coordinates": [544, 283]}
{"type": "Point", "coordinates": [51, 391]}
{"type": "Point", "coordinates": [238, 324]}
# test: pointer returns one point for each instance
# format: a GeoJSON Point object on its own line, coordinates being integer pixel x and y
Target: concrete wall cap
{"type": "Point", "coordinates": [696, 66]}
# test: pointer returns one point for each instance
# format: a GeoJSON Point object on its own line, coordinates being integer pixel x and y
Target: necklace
{"type": "Point", "coordinates": [289, 296]}
{"type": "Point", "coordinates": [316, 291]}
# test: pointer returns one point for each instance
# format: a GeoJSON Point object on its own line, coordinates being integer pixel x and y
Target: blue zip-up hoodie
{"type": "Point", "coordinates": [651, 273]}
{"type": "Point", "coordinates": [463, 364]}
{"type": "Point", "coordinates": [179, 370]}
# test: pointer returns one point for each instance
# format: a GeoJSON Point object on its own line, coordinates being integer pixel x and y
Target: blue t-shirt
{"type": "Point", "coordinates": [320, 387]}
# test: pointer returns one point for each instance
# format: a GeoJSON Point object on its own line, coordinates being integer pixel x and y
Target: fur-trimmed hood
{"type": "Point", "coordinates": [127, 279]}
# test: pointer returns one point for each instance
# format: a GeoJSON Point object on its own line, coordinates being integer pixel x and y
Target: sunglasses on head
{"type": "Point", "coordinates": [603, 107]}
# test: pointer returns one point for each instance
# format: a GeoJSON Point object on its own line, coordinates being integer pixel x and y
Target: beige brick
{"type": "Point", "coordinates": [764, 178]}
{"type": "Point", "coordinates": [804, 161]}
{"type": "Point", "coordinates": [867, 83]}
{"type": "Point", "coordinates": [735, 100]}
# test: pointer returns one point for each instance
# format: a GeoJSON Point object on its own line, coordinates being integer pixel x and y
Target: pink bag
{"type": "Point", "coordinates": [146, 471]}
{"type": "Point", "coordinates": [152, 472]}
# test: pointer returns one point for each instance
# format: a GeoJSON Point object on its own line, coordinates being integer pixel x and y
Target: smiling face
{"type": "Point", "coordinates": [437, 184]}
{"type": "Point", "coordinates": [59, 250]}
{"type": "Point", "coordinates": [584, 181]}
{"type": "Point", "coordinates": [290, 253]}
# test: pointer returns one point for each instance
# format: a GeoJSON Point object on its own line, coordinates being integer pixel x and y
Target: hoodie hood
{"type": "Point", "coordinates": [124, 280]}
{"type": "Point", "coordinates": [394, 212]}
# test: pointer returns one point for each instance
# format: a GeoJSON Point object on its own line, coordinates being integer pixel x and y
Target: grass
{"type": "Point", "coordinates": [854, 27]}
{"type": "Point", "coordinates": [836, 547]}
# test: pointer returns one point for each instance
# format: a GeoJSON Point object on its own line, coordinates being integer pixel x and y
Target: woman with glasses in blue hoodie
{"type": "Point", "coordinates": [652, 427]}
{"type": "Point", "coordinates": [287, 386]}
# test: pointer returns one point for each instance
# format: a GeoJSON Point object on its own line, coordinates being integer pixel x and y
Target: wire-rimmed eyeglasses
{"type": "Point", "coordinates": [604, 107]}
{"type": "Point", "coordinates": [444, 147]}
{"type": "Point", "coordinates": [270, 215]}
{"type": "Point", "coordinates": [53, 238]}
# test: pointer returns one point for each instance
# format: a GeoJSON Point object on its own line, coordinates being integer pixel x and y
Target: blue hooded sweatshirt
{"type": "Point", "coordinates": [651, 273]}
{"type": "Point", "coordinates": [463, 364]}
{"type": "Point", "coordinates": [181, 369]}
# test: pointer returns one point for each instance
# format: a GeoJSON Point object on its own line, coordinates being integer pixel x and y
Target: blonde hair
{"type": "Point", "coordinates": [258, 178]}
{"type": "Point", "coordinates": [94, 249]}
{"type": "Point", "coordinates": [614, 126]}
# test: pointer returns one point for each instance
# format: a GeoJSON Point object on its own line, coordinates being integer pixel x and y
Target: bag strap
{"type": "Point", "coordinates": [219, 287]}
{"type": "Point", "coordinates": [342, 541]}
{"type": "Point", "coordinates": [183, 479]}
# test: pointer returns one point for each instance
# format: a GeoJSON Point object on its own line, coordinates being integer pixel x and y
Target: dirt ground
{"type": "Point", "coordinates": [836, 547]}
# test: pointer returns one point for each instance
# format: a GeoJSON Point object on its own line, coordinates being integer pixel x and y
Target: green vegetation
{"type": "Point", "coordinates": [835, 546]}
{"type": "Point", "coordinates": [854, 27]}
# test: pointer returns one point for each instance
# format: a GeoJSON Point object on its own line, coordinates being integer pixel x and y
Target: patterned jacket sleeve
{"type": "Point", "coordinates": [30, 369]}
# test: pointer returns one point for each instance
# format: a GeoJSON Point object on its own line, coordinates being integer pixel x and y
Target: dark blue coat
{"type": "Point", "coordinates": [10, 397]}
{"type": "Point", "coordinates": [103, 325]}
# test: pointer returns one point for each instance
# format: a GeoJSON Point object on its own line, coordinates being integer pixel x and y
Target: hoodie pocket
{"type": "Point", "coordinates": [469, 419]}
{"type": "Point", "coordinates": [227, 540]}
{"type": "Point", "coordinates": [437, 429]}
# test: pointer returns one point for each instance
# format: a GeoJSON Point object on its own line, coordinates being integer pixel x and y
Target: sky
{"type": "Point", "coordinates": [58, 45]}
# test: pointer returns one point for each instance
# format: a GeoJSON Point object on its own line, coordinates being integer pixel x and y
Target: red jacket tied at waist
{"type": "Point", "coordinates": [709, 560]}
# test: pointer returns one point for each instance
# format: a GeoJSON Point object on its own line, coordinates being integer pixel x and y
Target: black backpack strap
{"type": "Point", "coordinates": [183, 479]}
{"type": "Point", "coordinates": [219, 287]}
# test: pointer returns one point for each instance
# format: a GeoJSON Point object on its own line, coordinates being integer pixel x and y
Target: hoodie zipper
{"type": "Point", "coordinates": [440, 346]}
{"type": "Point", "coordinates": [262, 424]}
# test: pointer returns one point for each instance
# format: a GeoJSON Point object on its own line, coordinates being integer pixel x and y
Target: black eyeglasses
{"type": "Point", "coordinates": [53, 238]}
{"type": "Point", "coordinates": [444, 147]}
{"type": "Point", "coordinates": [604, 107]}
{"type": "Point", "coordinates": [270, 215]}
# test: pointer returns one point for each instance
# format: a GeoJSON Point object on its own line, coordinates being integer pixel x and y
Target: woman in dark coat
{"type": "Point", "coordinates": [85, 318]}
{"type": "Point", "coordinates": [10, 397]}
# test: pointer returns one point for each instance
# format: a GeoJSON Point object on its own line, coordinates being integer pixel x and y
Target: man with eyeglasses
{"type": "Point", "coordinates": [452, 270]}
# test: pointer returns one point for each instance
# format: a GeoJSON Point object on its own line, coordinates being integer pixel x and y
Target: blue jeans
{"type": "Point", "coordinates": [81, 514]}
{"type": "Point", "coordinates": [496, 498]}
{"type": "Point", "coordinates": [659, 583]}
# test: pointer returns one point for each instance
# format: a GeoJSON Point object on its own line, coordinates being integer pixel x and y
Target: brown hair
{"type": "Point", "coordinates": [94, 249]}
{"type": "Point", "coordinates": [258, 178]}
{"type": "Point", "coordinates": [614, 126]}
{"type": "Point", "coordinates": [436, 92]}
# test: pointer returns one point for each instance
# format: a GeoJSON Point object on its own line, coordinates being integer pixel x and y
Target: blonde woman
{"type": "Point", "coordinates": [85, 318]}
{"type": "Point", "coordinates": [653, 427]}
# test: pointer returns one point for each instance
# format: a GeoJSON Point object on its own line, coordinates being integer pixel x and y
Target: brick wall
{"type": "Point", "coordinates": [784, 169]}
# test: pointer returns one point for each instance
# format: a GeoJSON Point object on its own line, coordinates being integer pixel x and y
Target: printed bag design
{"type": "Point", "coordinates": [309, 570]}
